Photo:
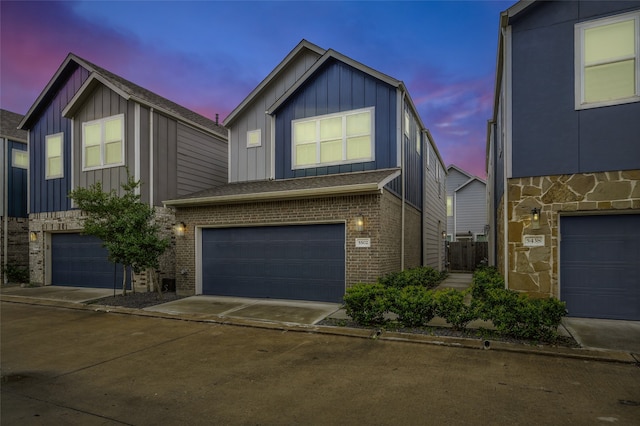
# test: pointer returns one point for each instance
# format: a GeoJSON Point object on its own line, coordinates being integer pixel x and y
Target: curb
{"type": "Point", "coordinates": [602, 355]}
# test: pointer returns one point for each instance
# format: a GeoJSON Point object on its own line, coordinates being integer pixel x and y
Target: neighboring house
{"type": "Point", "coordinates": [333, 180]}
{"type": "Point", "coordinates": [14, 222]}
{"type": "Point", "coordinates": [466, 206]}
{"type": "Point", "coordinates": [563, 155]}
{"type": "Point", "coordinates": [89, 125]}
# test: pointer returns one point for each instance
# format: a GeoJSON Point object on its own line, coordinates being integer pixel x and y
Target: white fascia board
{"type": "Point", "coordinates": [365, 188]}
{"type": "Point", "coordinates": [89, 82]}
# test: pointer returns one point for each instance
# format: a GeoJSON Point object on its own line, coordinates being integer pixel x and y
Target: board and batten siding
{"type": "Point", "coordinates": [434, 211]}
{"type": "Point", "coordinates": [165, 152]}
{"type": "Point", "coordinates": [103, 103]}
{"type": "Point", "coordinates": [201, 161]}
{"type": "Point", "coordinates": [455, 180]}
{"type": "Point", "coordinates": [16, 182]}
{"type": "Point", "coordinates": [338, 87]}
{"type": "Point", "coordinates": [471, 208]}
{"type": "Point", "coordinates": [50, 195]}
{"type": "Point", "coordinates": [247, 164]}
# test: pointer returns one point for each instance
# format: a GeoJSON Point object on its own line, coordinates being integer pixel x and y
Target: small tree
{"type": "Point", "coordinates": [125, 225]}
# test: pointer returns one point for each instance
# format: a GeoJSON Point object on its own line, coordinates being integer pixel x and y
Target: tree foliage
{"type": "Point", "coordinates": [125, 225]}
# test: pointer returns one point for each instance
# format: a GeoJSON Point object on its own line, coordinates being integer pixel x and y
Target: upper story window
{"type": "Point", "coordinates": [418, 144]}
{"type": "Point", "coordinates": [103, 143]}
{"type": "Point", "coordinates": [607, 61]}
{"type": "Point", "coordinates": [254, 138]}
{"type": "Point", "coordinates": [20, 159]}
{"type": "Point", "coordinates": [341, 138]}
{"type": "Point", "coordinates": [53, 152]}
{"type": "Point", "coordinates": [450, 205]}
{"type": "Point", "coordinates": [407, 123]}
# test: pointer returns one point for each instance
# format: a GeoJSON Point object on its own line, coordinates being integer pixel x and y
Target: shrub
{"type": "Point", "coordinates": [413, 304]}
{"type": "Point", "coordinates": [424, 276]}
{"type": "Point", "coordinates": [16, 274]}
{"type": "Point", "coordinates": [450, 305]}
{"type": "Point", "coordinates": [485, 279]}
{"type": "Point", "coordinates": [367, 303]}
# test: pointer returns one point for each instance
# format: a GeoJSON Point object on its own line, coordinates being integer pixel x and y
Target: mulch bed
{"type": "Point", "coordinates": [136, 300]}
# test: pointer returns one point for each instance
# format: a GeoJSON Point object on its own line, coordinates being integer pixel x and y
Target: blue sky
{"type": "Point", "coordinates": [208, 55]}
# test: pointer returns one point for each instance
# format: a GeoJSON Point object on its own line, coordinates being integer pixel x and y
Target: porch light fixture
{"type": "Point", "coordinates": [33, 236]}
{"type": "Point", "coordinates": [359, 223]}
{"type": "Point", "coordinates": [444, 235]}
{"type": "Point", "coordinates": [535, 218]}
{"type": "Point", "coordinates": [179, 229]}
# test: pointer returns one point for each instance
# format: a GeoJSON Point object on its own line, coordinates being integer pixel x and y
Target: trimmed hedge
{"type": "Point", "coordinates": [409, 296]}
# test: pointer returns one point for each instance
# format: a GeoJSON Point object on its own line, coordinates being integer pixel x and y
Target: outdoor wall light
{"type": "Point", "coordinates": [179, 229]}
{"type": "Point", "coordinates": [33, 236]}
{"type": "Point", "coordinates": [444, 235]}
{"type": "Point", "coordinates": [535, 218]}
{"type": "Point", "coordinates": [359, 223]}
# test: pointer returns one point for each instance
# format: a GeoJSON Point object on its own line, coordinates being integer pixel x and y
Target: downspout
{"type": "Point", "coordinates": [402, 167]}
{"type": "Point", "coordinates": [151, 171]}
{"type": "Point", "coordinates": [5, 207]}
{"type": "Point", "coordinates": [506, 75]}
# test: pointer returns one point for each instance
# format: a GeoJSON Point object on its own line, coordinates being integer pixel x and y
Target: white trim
{"type": "Point", "coordinates": [579, 64]}
{"type": "Point", "coordinates": [272, 143]}
{"type": "Point", "coordinates": [4, 190]}
{"type": "Point", "coordinates": [198, 251]}
{"type": "Point", "coordinates": [46, 156]}
{"type": "Point", "coordinates": [508, 103]}
{"type": "Point", "coordinates": [151, 154]}
{"type": "Point", "coordinates": [253, 132]}
{"type": "Point", "coordinates": [103, 143]}
{"type": "Point", "coordinates": [344, 114]}
{"type": "Point", "coordinates": [506, 160]}
{"type": "Point", "coordinates": [399, 109]}
{"type": "Point", "coordinates": [229, 164]}
{"type": "Point", "coordinates": [136, 145]}
{"type": "Point", "coordinates": [72, 158]}
{"type": "Point", "coordinates": [29, 174]}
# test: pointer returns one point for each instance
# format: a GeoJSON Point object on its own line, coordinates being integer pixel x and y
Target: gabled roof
{"type": "Point", "coordinates": [467, 183]}
{"type": "Point", "coordinates": [471, 177]}
{"type": "Point", "coordinates": [359, 183]}
{"type": "Point", "coordinates": [9, 122]}
{"type": "Point", "coordinates": [304, 45]}
{"type": "Point", "coordinates": [123, 87]}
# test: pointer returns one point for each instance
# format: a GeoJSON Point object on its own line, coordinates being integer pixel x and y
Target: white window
{"type": "Point", "coordinates": [254, 138]}
{"type": "Point", "coordinates": [53, 152]}
{"type": "Point", "coordinates": [333, 139]}
{"type": "Point", "coordinates": [103, 143]}
{"type": "Point", "coordinates": [407, 123]}
{"type": "Point", "coordinates": [607, 61]}
{"type": "Point", "coordinates": [418, 144]}
{"type": "Point", "coordinates": [20, 158]}
{"type": "Point", "coordinates": [450, 205]}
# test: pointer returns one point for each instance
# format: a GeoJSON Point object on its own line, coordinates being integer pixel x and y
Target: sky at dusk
{"type": "Point", "coordinates": [208, 55]}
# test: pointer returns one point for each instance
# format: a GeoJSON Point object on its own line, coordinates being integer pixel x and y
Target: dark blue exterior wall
{"type": "Point", "coordinates": [51, 195]}
{"type": "Point", "coordinates": [338, 87]}
{"type": "Point", "coordinates": [549, 135]}
{"type": "Point", "coordinates": [17, 184]}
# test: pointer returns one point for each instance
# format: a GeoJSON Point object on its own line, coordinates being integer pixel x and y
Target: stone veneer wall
{"type": "Point", "coordinates": [71, 221]}
{"type": "Point", "coordinates": [535, 269]}
{"type": "Point", "coordinates": [382, 226]}
{"type": "Point", "coordinates": [17, 253]}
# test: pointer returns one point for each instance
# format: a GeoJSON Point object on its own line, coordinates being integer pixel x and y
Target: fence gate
{"type": "Point", "coordinates": [466, 255]}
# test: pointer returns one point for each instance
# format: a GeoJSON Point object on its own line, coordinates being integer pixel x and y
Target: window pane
{"type": "Point", "coordinates": [610, 81]}
{"type": "Point", "coordinates": [92, 134]}
{"type": "Point", "coordinates": [54, 146]}
{"type": "Point", "coordinates": [358, 124]}
{"type": "Point", "coordinates": [331, 128]}
{"type": "Point", "coordinates": [359, 148]}
{"type": "Point", "coordinates": [113, 130]}
{"type": "Point", "coordinates": [449, 205]}
{"type": "Point", "coordinates": [113, 153]}
{"type": "Point", "coordinates": [304, 132]}
{"type": "Point", "coordinates": [331, 151]}
{"type": "Point", "coordinates": [20, 159]}
{"type": "Point", "coordinates": [54, 164]}
{"type": "Point", "coordinates": [253, 138]}
{"type": "Point", "coordinates": [92, 156]}
{"type": "Point", "coordinates": [305, 154]}
{"type": "Point", "coordinates": [609, 41]}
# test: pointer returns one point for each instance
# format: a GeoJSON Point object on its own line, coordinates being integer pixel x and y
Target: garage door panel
{"type": "Point", "coordinates": [304, 262]}
{"type": "Point", "coordinates": [600, 266]}
{"type": "Point", "coordinates": [80, 261]}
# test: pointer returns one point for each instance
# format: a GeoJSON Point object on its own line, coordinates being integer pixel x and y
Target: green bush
{"type": "Point", "coordinates": [485, 279]}
{"type": "Point", "coordinates": [367, 303]}
{"type": "Point", "coordinates": [424, 276]}
{"type": "Point", "coordinates": [16, 274]}
{"type": "Point", "coordinates": [451, 306]}
{"type": "Point", "coordinates": [413, 304]}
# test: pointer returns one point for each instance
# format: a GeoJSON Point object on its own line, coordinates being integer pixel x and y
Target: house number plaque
{"type": "Point", "coordinates": [533, 240]}
{"type": "Point", "coordinates": [363, 242]}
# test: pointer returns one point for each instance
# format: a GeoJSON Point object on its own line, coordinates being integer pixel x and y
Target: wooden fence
{"type": "Point", "coordinates": [466, 256]}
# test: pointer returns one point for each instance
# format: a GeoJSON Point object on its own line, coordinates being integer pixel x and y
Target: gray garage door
{"type": "Point", "coordinates": [305, 262]}
{"type": "Point", "coordinates": [81, 261]}
{"type": "Point", "coordinates": [600, 266]}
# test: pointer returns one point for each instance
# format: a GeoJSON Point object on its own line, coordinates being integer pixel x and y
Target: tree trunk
{"type": "Point", "coordinates": [124, 280]}
{"type": "Point", "coordinates": [156, 282]}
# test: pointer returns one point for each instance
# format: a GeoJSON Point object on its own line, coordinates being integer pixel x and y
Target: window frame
{"type": "Point", "coordinates": [47, 156]}
{"type": "Point", "coordinates": [254, 131]}
{"type": "Point", "coordinates": [449, 205]}
{"type": "Point", "coordinates": [318, 140]}
{"type": "Point", "coordinates": [14, 152]}
{"type": "Point", "coordinates": [103, 144]}
{"type": "Point", "coordinates": [579, 30]}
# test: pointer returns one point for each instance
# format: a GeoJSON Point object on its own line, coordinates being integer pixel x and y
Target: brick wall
{"type": "Point", "coordinates": [17, 253]}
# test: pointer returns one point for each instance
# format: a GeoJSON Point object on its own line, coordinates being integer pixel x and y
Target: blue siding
{"type": "Point", "coordinates": [549, 135]}
{"type": "Point", "coordinates": [338, 87]}
{"type": "Point", "coordinates": [51, 195]}
{"type": "Point", "coordinates": [17, 184]}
